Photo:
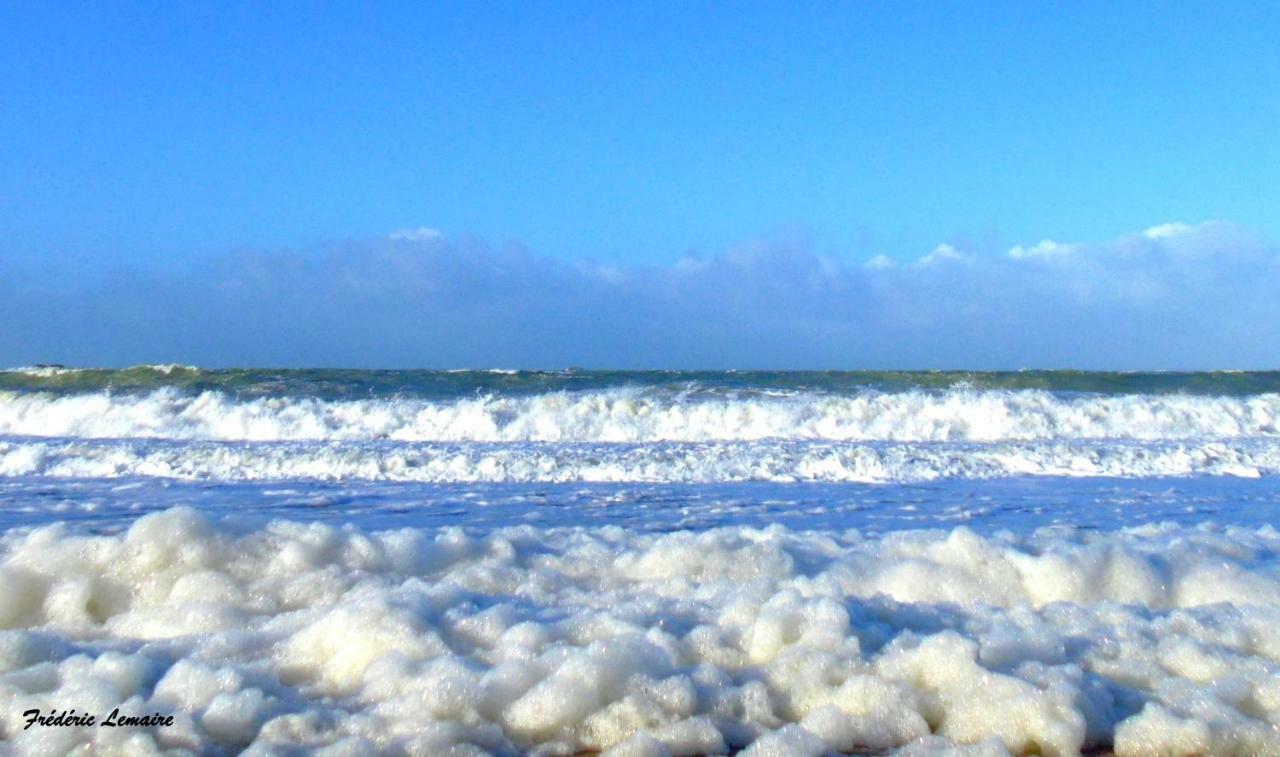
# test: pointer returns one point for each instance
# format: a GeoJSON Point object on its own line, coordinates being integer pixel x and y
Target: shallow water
{"type": "Point", "coordinates": [1018, 504]}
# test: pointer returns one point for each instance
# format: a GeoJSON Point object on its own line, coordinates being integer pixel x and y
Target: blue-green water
{"type": "Point", "coordinates": [348, 384]}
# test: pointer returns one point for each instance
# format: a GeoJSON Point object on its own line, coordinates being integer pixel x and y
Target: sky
{"type": "Point", "coordinates": [704, 185]}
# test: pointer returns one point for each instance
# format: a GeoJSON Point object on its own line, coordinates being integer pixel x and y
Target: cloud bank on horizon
{"type": "Point", "coordinates": [1174, 296]}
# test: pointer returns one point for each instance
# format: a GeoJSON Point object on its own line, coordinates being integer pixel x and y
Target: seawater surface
{"type": "Point", "coordinates": [420, 562]}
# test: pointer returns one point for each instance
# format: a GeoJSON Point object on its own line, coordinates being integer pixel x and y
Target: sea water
{"type": "Point", "coordinates": [506, 562]}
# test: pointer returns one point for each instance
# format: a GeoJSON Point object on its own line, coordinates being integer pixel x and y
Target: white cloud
{"type": "Point", "coordinates": [1170, 230]}
{"type": "Point", "coordinates": [420, 234]}
{"type": "Point", "coordinates": [942, 253]}
{"type": "Point", "coordinates": [1203, 297]}
{"type": "Point", "coordinates": [1045, 249]}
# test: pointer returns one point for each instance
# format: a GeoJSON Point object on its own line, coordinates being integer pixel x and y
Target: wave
{"type": "Point", "coordinates": [707, 462]}
{"type": "Point", "coordinates": [644, 416]}
{"type": "Point", "coordinates": [52, 370]}
{"type": "Point", "coordinates": [41, 371]}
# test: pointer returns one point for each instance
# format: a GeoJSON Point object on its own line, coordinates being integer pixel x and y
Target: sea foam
{"type": "Point", "coordinates": [1161, 639]}
{"type": "Point", "coordinates": [671, 462]}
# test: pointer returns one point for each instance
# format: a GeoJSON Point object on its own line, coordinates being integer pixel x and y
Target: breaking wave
{"type": "Point", "coordinates": [703, 462]}
{"type": "Point", "coordinates": [635, 415]}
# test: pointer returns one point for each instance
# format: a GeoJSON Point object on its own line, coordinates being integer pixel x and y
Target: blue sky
{"type": "Point", "coordinates": [168, 140]}
{"type": "Point", "coordinates": [629, 131]}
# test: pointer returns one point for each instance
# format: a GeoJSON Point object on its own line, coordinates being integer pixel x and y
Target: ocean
{"type": "Point", "coordinates": [560, 562]}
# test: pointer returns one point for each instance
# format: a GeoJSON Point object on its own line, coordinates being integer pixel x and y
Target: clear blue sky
{"type": "Point", "coordinates": [628, 132]}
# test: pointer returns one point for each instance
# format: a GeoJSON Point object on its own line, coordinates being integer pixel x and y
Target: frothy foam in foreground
{"type": "Point", "coordinates": [312, 636]}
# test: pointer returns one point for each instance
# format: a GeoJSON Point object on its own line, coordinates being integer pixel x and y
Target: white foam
{"type": "Point", "coordinates": [635, 415]}
{"type": "Point", "coordinates": [708, 462]}
{"type": "Point", "coordinates": [311, 636]}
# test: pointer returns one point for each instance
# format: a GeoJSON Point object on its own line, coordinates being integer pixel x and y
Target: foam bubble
{"type": "Point", "coordinates": [308, 636]}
